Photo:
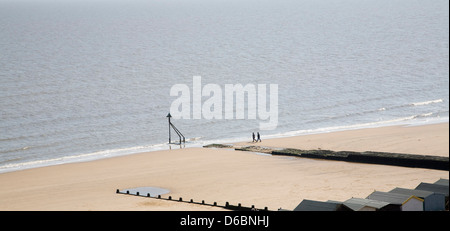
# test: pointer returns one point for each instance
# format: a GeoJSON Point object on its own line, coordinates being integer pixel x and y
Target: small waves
{"type": "Point", "coordinates": [378, 111]}
{"type": "Point", "coordinates": [411, 104]}
{"type": "Point", "coordinates": [427, 102]}
{"type": "Point", "coordinates": [408, 107]}
{"type": "Point", "coordinates": [425, 118]}
{"type": "Point", "coordinates": [416, 104]}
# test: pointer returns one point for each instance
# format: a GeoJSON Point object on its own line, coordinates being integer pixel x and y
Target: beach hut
{"type": "Point", "coordinates": [361, 204]}
{"type": "Point", "coordinates": [442, 182]}
{"type": "Point", "coordinates": [431, 201]}
{"type": "Point", "coordinates": [310, 205]}
{"type": "Point", "coordinates": [437, 188]}
{"type": "Point", "coordinates": [398, 202]}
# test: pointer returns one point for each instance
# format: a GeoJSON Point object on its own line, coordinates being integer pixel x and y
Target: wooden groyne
{"type": "Point", "coordinates": [227, 205]}
{"type": "Point", "coordinates": [369, 157]}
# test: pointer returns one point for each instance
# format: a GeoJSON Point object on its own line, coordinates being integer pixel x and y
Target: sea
{"type": "Point", "coordinates": [90, 79]}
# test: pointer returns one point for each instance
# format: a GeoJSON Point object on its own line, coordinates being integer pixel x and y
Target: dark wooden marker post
{"type": "Point", "coordinates": [169, 116]}
{"type": "Point", "coordinates": [181, 136]}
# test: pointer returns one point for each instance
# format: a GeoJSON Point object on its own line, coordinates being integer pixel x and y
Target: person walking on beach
{"type": "Point", "coordinates": [254, 140]}
{"type": "Point", "coordinates": [259, 138]}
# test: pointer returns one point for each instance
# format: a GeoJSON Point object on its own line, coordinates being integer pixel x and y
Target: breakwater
{"type": "Point", "coordinates": [227, 205]}
{"type": "Point", "coordinates": [369, 157]}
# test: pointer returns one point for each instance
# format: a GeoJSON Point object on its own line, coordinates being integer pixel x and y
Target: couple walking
{"type": "Point", "coordinates": [256, 140]}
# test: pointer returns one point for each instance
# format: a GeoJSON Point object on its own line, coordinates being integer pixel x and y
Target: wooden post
{"type": "Point", "coordinates": [169, 116]}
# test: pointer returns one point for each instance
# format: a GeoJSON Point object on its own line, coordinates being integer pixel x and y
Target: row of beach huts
{"type": "Point", "coordinates": [425, 197]}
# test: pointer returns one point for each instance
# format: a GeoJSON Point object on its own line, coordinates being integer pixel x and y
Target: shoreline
{"type": "Point", "coordinates": [104, 154]}
{"type": "Point", "coordinates": [219, 175]}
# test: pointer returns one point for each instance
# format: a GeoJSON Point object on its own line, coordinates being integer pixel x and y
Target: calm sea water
{"type": "Point", "coordinates": [81, 80]}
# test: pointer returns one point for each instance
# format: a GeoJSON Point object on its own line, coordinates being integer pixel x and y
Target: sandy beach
{"type": "Point", "coordinates": [424, 140]}
{"type": "Point", "coordinates": [221, 175]}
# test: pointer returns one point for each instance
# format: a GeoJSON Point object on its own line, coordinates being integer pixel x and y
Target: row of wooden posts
{"type": "Point", "coordinates": [227, 205]}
